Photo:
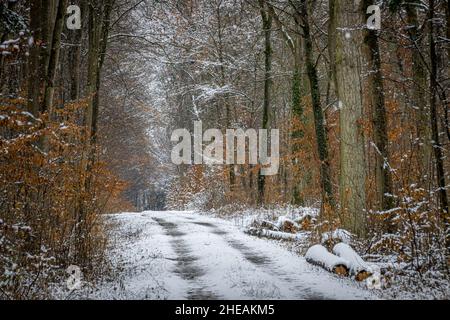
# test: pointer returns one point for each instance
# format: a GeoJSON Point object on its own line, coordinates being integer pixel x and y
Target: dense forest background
{"type": "Point", "coordinates": [86, 119]}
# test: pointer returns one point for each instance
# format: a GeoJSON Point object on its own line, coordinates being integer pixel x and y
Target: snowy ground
{"type": "Point", "coordinates": [180, 255]}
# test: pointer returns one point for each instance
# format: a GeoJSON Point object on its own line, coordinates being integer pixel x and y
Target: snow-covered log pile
{"type": "Point", "coordinates": [265, 224]}
{"type": "Point", "coordinates": [284, 229]}
{"type": "Point", "coordinates": [344, 261]}
{"type": "Point", "coordinates": [360, 269]}
{"type": "Point", "coordinates": [290, 226]}
{"type": "Point", "coordinates": [305, 222]}
{"type": "Point", "coordinates": [285, 224]}
{"type": "Point", "coordinates": [277, 235]}
{"type": "Point", "coordinates": [319, 255]}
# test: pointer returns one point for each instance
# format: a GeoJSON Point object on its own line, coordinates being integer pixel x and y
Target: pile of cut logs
{"type": "Point", "coordinates": [343, 261]}
{"type": "Point", "coordinates": [283, 229]}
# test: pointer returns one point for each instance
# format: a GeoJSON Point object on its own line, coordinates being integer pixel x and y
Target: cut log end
{"type": "Point", "coordinates": [363, 275]}
{"type": "Point", "coordinates": [341, 270]}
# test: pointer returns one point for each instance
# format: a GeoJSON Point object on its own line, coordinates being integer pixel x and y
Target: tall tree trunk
{"type": "Point", "coordinates": [332, 34]}
{"type": "Point", "coordinates": [93, 60]}
{"type": "Point", "coordinates": [94, 31]}
{"type": "Point", "coordinates": [41, 26]}
{"type": "Point", "coordinates": [231, 168]}
{"type": "Point", "coordinates": [98, 31]}
{"type": "Point", "coordinates": [296, 47]}
{"type": "Point", "coordinates": [104, 34]}
{"type": "Point", "coordinates": [98, 25]}
{"type": "Point", "coordinates": [420, 90]}
{"type": "Point", "coordinates": [349, 39]}
{"type": "Point", "coordinates": [446, 93]}
{"type": "Point", "coordinates": [383, 172]}
{"type": "Point", "coordinates": [319, 119]}
{"type": "Point", "coordinates": [267, 110]}
{"type": "Point", "coordinates": [54, 54]}
{"type": "Point", "coordinates": [447, 14]}
{"type": "Point", "coordinates": [437, 147]}
{"type": "Point", "coordinates": [297, 133]}
{"type": "Point", "coordinates": [74, 56]}
{"type": "Point", "coordinates": [34, 61]}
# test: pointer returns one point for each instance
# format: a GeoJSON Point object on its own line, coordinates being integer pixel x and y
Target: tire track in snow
{"type": "Point", "coordinates": [186, 263]}
{"type": "Point", "coordinates": [263, 262]}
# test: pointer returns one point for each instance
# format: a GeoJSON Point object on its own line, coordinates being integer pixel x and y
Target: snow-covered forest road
{"type": "Point", "coordinates": [180, 255]}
